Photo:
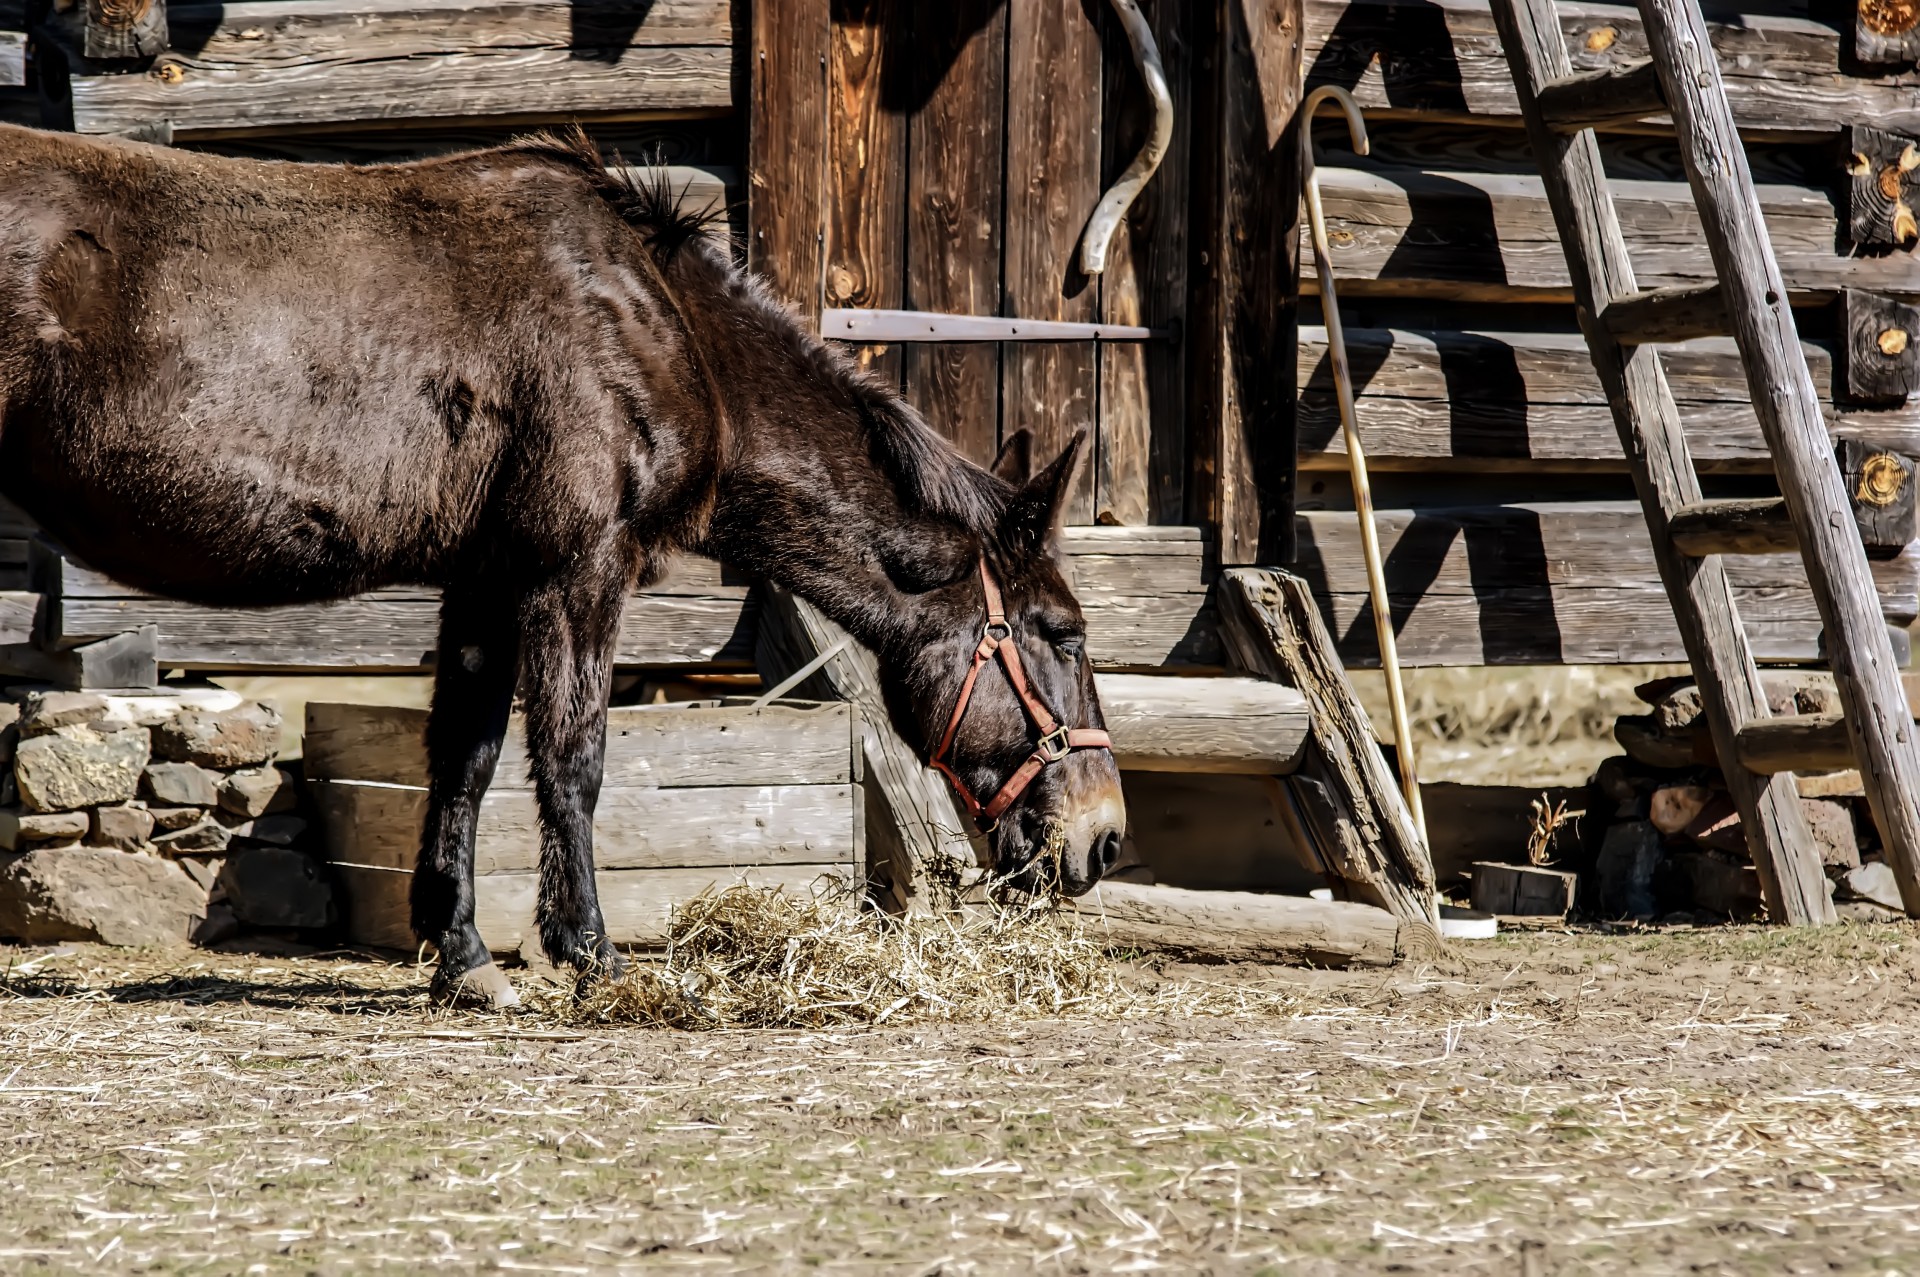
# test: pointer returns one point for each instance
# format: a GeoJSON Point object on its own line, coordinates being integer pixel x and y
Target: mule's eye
{"type": "Point", "coordinates": [1070, 645]}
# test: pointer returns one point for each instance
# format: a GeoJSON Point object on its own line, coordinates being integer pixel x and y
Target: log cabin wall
{"type": "Point", "coordinates": [1510, 525]}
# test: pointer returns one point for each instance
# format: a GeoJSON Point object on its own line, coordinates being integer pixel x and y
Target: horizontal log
{"type": "Point", "coordinates": [647, 745]}
{"type": "Point", "coordinates": [1619, 94]}
{"type": "Point", "coordinates": [1548, 583]}
{"type": "Point", "coordinates": [1759, 525]}
{"type": "Point", "coordinates": [1786, 76]}
{"type": "Point", "coordinates": [1513, 400]}
{"type": "Point", "coordinates": [1239, 726]}
{"type": "Point", "coordinates": [276, 64]}
{"type": "Point", "coordinates": [636, 903]}
{"type": "Point", "coordinates": [1491, 237]}
{"type": "Point", "coordinates": [19, 615]}
{"type": "Point", "coordinates": [1802, 742]}
{"type": "Point", "coordinates": [1667, 315]}
{"type": "Point", "coordinates": [379, 826]}
{"type": "Point", "coordinates": [1241, 926]}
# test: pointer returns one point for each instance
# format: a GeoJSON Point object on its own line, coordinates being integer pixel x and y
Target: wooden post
{"type": "Point", "coordinates": [125, 29]}
{"type": "Point", "coordinates": [1790, 418]}
{"type": "Point", "coordinates": [866, 168]}
{"type": "Point", "coordinates": [787, 149]}
{"type": "Point", "coordinates": [1246, 270]}
{"type": "Point", "coordinates": [1359, 820]}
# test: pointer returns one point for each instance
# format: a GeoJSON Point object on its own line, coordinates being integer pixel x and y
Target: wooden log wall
{"type": "Point", "coordinates": [1511, 531]}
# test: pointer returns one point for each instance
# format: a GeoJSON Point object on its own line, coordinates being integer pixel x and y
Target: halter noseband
{"type": "Point", "coordinates": [1056, 742]}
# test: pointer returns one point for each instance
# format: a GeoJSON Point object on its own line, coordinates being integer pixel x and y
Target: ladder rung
{"type": "Point", "coordinates": [1667, 314]}
{"type": "Point", "coordinates": [1590, 99]}
{"type": "Point", "coordinates": [1758, 525]}
{"type": "Point", "coordinates": [1799, 742]}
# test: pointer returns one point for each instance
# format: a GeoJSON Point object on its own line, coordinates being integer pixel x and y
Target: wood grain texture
{"type": "Point", "coordinates": [1525, 891]}
{"type": "Point", "coordinates": [1882, 168]}
{"type": "Point", "coordinates": [125, 30]}
{"type": "Point", "coordinates": [955, 176]}
{"type": "Point", "coordinates": [1667, 315]}
{"type": "Point", "coordinates": [1880, 487]}
{"type": "Point", "coordinates": [1361, 829]}
{"type": "Point", "coordinates": [282, 64]}
{"type": "Point", "coordinates": [13, 59]}
{"type": "Point", "coordinates": [735, 826]}
{"type": "Point", "coordinates": [787, 148]}
{"type": "Point", "coordinates": [1241, 926]}
{"type": "Point", "coordinates": [1503, 400]}
{"type": "Point", "coordinates": [1053, 182]}
{"type": "Point", "coordinates": [647, 745]}
{"type": "Point", "coordinates": [1744, 525]}
{"type": "Point", "coordinates": [1788, 76]}
{"type": "Point", "coordinates": [636, 903]}
{"type": "Point", "coordinates": [1588, 222]}
{"type": "Point", "coordinates": [866, 168]}
{"type": "Point", "coordinates": [1878, 348]}
{"type": "Point", "coordinates": [1800, 742]}
{"type": "Point", "coordinates": [1491, 237]}
{"type": "Point", "coordinates": [1238, 726]}
{"type": "Point", "coordinates": [1623, 93]}
{"type": "Point", "coordinates": [1886, 31]}
{"type": "Point", "coordinates": [1140, 462]}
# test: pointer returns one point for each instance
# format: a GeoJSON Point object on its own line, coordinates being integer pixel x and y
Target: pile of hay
{"type": "Point", "coordinates": [749, 957]}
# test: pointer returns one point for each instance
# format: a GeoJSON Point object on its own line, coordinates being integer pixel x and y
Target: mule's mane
{"type": "Point", "coordinates": [927, 471]}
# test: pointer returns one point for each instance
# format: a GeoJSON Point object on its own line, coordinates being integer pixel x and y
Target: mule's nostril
{"type": "Point", "coordinates": [1107, 850]}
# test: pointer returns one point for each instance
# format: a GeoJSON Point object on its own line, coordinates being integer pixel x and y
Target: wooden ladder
{"type": "Point", "coordinates": [1622, 322]}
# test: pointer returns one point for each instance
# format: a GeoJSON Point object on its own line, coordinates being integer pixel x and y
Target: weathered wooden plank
{"type": "Point", "coordinates": [1246, 176]}
{"type": "Point", "coordinates": [378, 826]}
{"type": "Point", "coordinates": [13, 59]}
{"type": "Point", "coordinates": [647, 745]}
{"type": "Point", "coordinates": [1140, 465]}
{"type": "Point", "coordinates": [1491, 237]}
{"type": "Point", "coordinates": [787, 148]}
{"type": "Point", "coordinates": [1624, 93]}
{"type": "Point", "coordinates": [1053, 182]}
{"type": "Point", "coordinates": [1796, 742]}
{"type": "Point", "coordinates": [1667, 315]}
{"type": "Point", "coordinates": [1238, 726]}
{"type": "Point", "coordinates": [19, 615]}
{"type": "Point", "coordinates": [1493, 400]}
{"type": "Point", "coordinates": [866, 167]}
{"type": "Point", "coordinates": [636, 903]}
{"type": "Point", "coordinates": [955, 176]}
{"type": "Point", "coordinates": [1241, 926]}
{"type": "Point", "coordinates": [279, 64]}
{"type": "Point", "coordinates": [1747, 525]}
{"type": "Point", "coordinates": [1359, 825]}
{"type": "Point", "coordinates": [1787, 75]}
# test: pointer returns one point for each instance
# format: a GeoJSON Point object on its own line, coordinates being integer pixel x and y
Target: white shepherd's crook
{"type": "Point", "coordinates": [1350, 429]}
{"type": "Point", "coordinates": [1113, 206]}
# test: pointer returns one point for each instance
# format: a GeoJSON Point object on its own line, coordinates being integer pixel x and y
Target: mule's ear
{"type": "Point", "coordinates": [1015, 462]}
{"type": "Point", "coordinates": [1031, 516]}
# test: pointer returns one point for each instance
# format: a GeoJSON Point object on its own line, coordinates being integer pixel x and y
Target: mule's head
{"type": "Point", "coordinates": [1068, 807]}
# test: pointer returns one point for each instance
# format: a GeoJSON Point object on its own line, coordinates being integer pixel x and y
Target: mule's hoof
{"type": "Point", "coordinates": [484, 988]}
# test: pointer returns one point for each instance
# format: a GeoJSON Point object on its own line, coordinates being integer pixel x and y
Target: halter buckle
{"type": "Point", "coordinates": [1053, 746]}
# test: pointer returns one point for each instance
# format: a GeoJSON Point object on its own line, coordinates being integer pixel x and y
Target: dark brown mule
{"type": "Point", "coordinates": [510, 376]}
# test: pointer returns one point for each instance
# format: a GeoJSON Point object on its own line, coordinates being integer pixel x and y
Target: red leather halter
{"type": "Point", "coordinates": [1056, 742]}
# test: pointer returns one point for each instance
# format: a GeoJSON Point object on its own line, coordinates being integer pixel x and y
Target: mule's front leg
{"type": "Point", "coordinates": [473, 683]}
{"type": "Point", "coordinates": [569, 637]}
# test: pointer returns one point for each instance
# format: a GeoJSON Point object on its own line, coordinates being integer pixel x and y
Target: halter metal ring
{"type": "Point", "coordinates": [1053, 746]}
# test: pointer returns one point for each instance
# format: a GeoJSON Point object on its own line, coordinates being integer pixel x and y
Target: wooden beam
{"type": "Point", "coordinates": [1509, 401]}
{"type": "Point", "coordinates": [264, 65]}
{"type": "Point", "coordinates": [1219, 726]}
{"type": "Point", "coordinates": [1246, 238]}
{"type": "Point", "coordinates": [1662, 316]}
{"type": "Point", "coordinates": [1240, 926]}
{"type": "Point", "coordinates": [787, 148]}
{"type": "Point", "coordinates": [121, 29]}
{"type": "Point", "coordinates": [1787, 77]}
{"type": "Point", "coordinates": [1362, 830]}
{"type": "Point", "coordinates": [1886, 31]}
{"type": "Point", "coordinates": [1878, 348]}
{"type": "Point", "coordinates": [1747, 525]}
{"type": "Point", "coordinates": [1490, 237]}
{"type": "Point", "coordinates": [1881, 170]}
{"type": "Point", "coordinates": [1619, 94]}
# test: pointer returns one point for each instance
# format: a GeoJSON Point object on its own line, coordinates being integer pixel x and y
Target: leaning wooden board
{"type": "Point", "coordinates": [695, 797]}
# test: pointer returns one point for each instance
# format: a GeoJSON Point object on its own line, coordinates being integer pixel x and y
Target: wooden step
{"type": "Point", "coordinates": [1233, 726]}
{"type": "Point", "coordinates": [1618, 94]}
{"type": "Point", "coordinates": [1795, 743]}
{"type": "Point", "coordinates": [1757, 525]}
{"type": "Point", "coordinates": [1658, 315]}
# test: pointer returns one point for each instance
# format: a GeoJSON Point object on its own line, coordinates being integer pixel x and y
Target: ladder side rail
{"type": "Point", "coordinates": [1655, 444]}
{"type": "Point", "coordinates": [1788, 407]}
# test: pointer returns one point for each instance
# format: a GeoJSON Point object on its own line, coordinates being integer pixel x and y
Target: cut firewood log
{"type": "Point", "coordinates": [1241, 926]}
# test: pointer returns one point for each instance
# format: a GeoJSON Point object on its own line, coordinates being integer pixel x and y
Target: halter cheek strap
{"type": "Point", "coordinates": [1055, 743]}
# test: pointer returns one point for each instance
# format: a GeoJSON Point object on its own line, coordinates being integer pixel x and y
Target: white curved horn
{"type": "Point", "coordinates": [1113, 206]}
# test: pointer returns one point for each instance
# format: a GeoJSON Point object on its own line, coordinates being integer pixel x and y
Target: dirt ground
{"type": "Point", "coordinates": [1707, 1101]}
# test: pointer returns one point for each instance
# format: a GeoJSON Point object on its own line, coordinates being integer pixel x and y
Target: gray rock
{"type": "Point", "coordinates": [259, 791]}
{"type": "Point", "coordinates": [44, 713]}
{"type": "Point", "coordinates": [1866, 911]}
{"type": "Point", "coordinates": [17, 828]}
{"type": "Point", "coordinates": [207, 837]}
{"type": "Point", "coordinates": [1832, 826]}
{"type": "Point", "coordinates": [282, 830]}
{"type": "Point", "coordinates": [79, 767]}
{"type": "Point", "coordinates": [203, 870]}
{"type": "Point", "coordinates": [169, 819]}
{"type": "Point", "coordinates": [180, 785]}
{"type": "Point", "coordinates": [93, 893]}
{"type": "Point", "coordinates": [244, 736]}
{"type": "Point", "coordinates": [1873, 881]}
{"type": "Point", "coordinates": [128, 828]}
{"type": "Point", "coordinates": [274, 887]}
{"type": "Point", "coordinates": [1629, 854]}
